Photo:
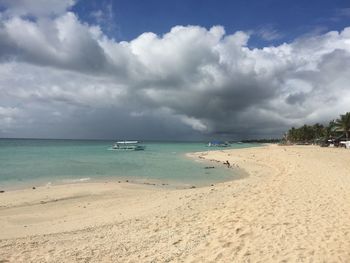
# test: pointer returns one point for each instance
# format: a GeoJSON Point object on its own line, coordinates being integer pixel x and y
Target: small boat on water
{"type": "Point", "coordinates": [218, 144]}
{"type": "Point", "coordinates": [128, 145]}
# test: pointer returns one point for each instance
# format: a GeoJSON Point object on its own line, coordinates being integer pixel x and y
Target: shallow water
{"type": "Point", "coordinates": [25, 161]}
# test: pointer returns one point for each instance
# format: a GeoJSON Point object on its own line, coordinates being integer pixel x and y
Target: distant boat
{"type": "Point", "coordinates": [128, 145]}
{"type": "Point", "coordinates": [218, 144]}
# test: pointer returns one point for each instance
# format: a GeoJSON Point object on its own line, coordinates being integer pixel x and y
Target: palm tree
{"type": "Point", "coordinates": [328, 131]}
{"type": "Point", "coordinates": [343, 124]}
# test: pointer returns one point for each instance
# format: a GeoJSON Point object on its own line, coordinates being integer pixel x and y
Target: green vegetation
{"type": "Point", "coordinates": [319, 132]}
{"type": "Point", "coordinates": [343, 124]}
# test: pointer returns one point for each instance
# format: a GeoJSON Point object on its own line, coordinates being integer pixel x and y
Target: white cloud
{"type": "Point", "coordinates": [61, 71]}
{"type": "Point", "coordinates": [194, 123]}
{"type": "Point", "coordinates": [8, 112]}
{"type": "Point", "coordinates": [268, 33]}
{"type": "Point", "coordinates": [8, 117]}
{"type": "Point", "coordinates": [36, 7]}
{"type": "Point", "coordinates": [105, 17]}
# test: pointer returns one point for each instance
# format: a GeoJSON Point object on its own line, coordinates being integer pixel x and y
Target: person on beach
{"type": "Point", "coordinates": [227, 163]}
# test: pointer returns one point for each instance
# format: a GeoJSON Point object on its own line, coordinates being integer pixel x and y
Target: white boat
{"type": "Point", "coordinates": [128, 145]}
{"type": "Point", "coordinates": [218, 144]}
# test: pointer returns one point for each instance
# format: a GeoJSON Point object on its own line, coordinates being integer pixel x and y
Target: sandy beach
{"type": "Point", "coordinates": [293, 207]}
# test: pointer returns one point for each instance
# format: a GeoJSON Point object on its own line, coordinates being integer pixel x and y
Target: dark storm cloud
{"type": "Point", "coordinates": [62, 77]}
{"type": "Point", "coordinates": [297, 98]}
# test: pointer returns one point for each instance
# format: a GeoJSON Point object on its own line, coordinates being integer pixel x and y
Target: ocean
{"type": "Point", "coordinates": [33, 162]}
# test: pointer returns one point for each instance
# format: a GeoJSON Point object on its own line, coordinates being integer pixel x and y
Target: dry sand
{"type": "Point", "coordinates": [293, 207]}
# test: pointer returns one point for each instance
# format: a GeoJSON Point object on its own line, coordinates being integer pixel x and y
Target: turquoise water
{"type": "Point", "coordinates": [24, 162]}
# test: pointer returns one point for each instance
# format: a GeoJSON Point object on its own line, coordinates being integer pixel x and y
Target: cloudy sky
{"type": "Point", "coordinates": [176, 70]}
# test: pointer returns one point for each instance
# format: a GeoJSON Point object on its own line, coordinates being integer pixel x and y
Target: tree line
{"type": "Point", "coordinates": [320, 132]}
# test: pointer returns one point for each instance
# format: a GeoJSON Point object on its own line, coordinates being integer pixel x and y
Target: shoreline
{"type": "Point", "coordinates": [293, 206]}
{"type": "Point", "coordinates": [167, 183]}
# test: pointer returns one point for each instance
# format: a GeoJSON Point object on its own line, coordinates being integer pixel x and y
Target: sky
{"type": "Point", "coordinates": [171, 70]}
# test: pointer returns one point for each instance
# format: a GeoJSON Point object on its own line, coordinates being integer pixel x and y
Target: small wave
{"type": "Point", "coordinates": [77, 180]}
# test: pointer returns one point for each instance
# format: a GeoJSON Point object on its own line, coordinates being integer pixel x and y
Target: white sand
{"type": "Point", "coordinates": [294, 207]}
